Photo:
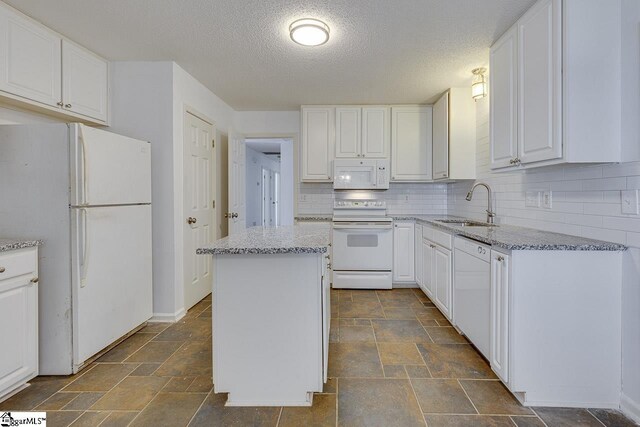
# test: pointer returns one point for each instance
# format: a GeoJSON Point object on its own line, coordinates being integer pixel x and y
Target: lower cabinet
{"type": "Point", "coordinates": [428, 276]}
{"type": "Point", "coordinates": [403, 251]}
{"type": "Point", "coordinates": [437, 263]}
{"type": "Point", "coordinates": [417, 256]}
{"type": "Point", "coordinates": [442, 280]}
{"type": "Point", "coordinates": [19, 324]}
{"type": "Point", "coordinates": [499, 329]}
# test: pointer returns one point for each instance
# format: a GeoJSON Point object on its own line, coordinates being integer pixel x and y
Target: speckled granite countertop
{"type": "Point", "coordinates": [292, 239]}
{"type": "Point", "coordinates": [314, 218]}
{"type": "Point", "coordinates": [517, 238]}
{"type": "Point", "coordinates": [13, 244]}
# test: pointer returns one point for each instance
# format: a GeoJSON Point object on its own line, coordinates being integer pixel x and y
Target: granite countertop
{"type": "Point", "coordinates": [291, 239]}
{"type": "Point", "coordinates": [314, 218]}
{"type": "Point", "coordinates": [7, 244]}
{"type": "Point", "coordinates": [517, 238]}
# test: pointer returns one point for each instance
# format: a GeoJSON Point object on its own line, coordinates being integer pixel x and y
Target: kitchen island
{"type": "Point", "coordinates": [271, 314]}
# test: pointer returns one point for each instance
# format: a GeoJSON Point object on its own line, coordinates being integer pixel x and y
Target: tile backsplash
{"type": "Point", "coordinates": [585, 200]}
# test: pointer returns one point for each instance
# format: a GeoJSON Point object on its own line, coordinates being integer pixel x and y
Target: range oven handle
{"type": "Point", "coordinates": [368, 226]}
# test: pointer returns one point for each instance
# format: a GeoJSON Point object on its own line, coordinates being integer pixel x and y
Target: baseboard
{"type": "Point", "coordinates": [630, 408]}
{"type": "Point", "coordinates": [167, 317]}
{"type": "Point", "coordinates": [405, 285]}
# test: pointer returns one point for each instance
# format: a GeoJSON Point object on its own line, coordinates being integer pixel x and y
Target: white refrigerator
{"type": "Point", "coordinates": [86, 193]}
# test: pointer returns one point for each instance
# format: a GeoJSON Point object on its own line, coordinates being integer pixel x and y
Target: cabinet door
{"type": "Point", "coordinates": [30, 61]}
{"type": "Point", "coordinates": [417, 241]}
{"type": "Point", "coordinates": [19, 331]}
{"type": "Point", "coordinates": [376, 132]}
{"type": "Point", "coordinates": [428, 273]}
{"type": "Point", "coordinates": [348, 127]}
{"type": "Point", "coordinates": [443, 282]}
{"type": "Point", "coordinates": [503, 147]}
{"type": "Point", "coordinates": [326, 316]}
{"type": "Point", "coordinates": [499, 339]}
{"type": "Point", "coordinates": [411, 143]}
{"type": "Point", "coordinates": [85, 84]}
{"type": "Point", "coordinates": [403, 247]}
{"type": "Point", "coordinates": [441, 138]}
{"type": "Point", "coordinates": [318, 143]}
{"type": "Point", "coordinates": [540, 83]}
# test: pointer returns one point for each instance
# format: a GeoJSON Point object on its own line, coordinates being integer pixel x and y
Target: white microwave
{"type": "Point", "coordinates": [356, 174]}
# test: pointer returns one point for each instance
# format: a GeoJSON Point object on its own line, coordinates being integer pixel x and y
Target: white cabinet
{"type": "Point", "coordinates": [318, 142]}
{"type": "Point", "coordinates": [428, 276]}
{"type": "Point", "coordinates": [503, 106]}
{"type": "Point", "coordinates": [454, 135]}
{"type": "Point", "coordinates": [30, 59]}
{"type": "Point", "coordinates": [85, 82]}
{"type": "Point", "coordinates": [362, 132]}
{"type": "Point", "coordinates": [442, 280]}
{"type": "Point", "coordinates": [19, 325]}
{"type": "Point", "coordinates": [326, 314]}
{"type": "Point", "coordinates": [417, 241]}
{"type": "Point", "coordinates": [540, 82]}
{"type": "Point", "coordinates": [411, 143]}
{"type": "Point", "coordinates": [540, 112]}
{"type": "Point", "coordinates": [499, 329]}
{"type": "Point", "coordinates": [403, 251]}
{"type": "Point", "coordinates": [43, 71]}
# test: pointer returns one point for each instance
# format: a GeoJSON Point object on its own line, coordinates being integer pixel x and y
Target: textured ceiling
{"type": "Point", "coordinates": [380, 51]}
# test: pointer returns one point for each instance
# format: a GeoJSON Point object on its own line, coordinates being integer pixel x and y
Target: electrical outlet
{"type": "Point", "coordinates": [546, 199]}
{"type": "Point", "coordinates": [629, 202]}
{"type": "Point", "coordinates": [302, 197]}
{"type": "Point", "coordinates": [532, 199]}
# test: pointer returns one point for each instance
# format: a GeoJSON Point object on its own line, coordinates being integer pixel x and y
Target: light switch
{"type": "Point", "coordinates": [532, 199]}
{"type": "Point", "coordinates": [546, 199]}
{"type": "Point", "coordinates": [629, 202]}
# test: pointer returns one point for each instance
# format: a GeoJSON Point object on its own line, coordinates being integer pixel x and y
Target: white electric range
{"type": "Point", "coordinates": [362, 243]}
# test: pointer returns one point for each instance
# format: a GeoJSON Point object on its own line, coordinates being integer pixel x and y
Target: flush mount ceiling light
{"type": "Point", "coordinates": [309, 32]}
{"type": "Point", "coordinates": [479, 85]}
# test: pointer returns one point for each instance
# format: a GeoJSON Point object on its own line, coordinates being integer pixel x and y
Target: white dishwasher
{"type": "Point", "coordinates": [472, 291]}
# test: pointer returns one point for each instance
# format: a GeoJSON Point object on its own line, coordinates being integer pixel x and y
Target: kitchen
{"type": "Point", "coordinates": [425, 302]}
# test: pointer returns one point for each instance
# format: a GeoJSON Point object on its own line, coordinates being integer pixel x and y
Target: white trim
{"type": "Point", "coordinates": [405, 285]}
{"type": "Point", "coordinates": [630, 408]}
{"type": "Point", "coordinates": [167, 317]}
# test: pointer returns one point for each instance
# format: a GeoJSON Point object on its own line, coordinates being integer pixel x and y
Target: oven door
{"type": "Point", "coordinates": [362, 246]}
{"type": "Point", "coordinates": [355, 175]}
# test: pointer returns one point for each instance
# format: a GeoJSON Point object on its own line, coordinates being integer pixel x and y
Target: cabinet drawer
{"type": "Point", "coordinates": [17, 263]}
{"type": "Point", "coordinates": [441, 238]}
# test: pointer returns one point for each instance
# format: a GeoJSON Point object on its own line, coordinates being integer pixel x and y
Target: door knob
{"type": "Point", "coordinates": [191, 220]}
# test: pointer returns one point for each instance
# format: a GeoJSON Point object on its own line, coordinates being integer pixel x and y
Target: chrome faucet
{"type": "Point", "coordinates": [490, 213]}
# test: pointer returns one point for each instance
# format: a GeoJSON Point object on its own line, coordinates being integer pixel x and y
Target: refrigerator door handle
{"type": "Point", "coordinates": [83, 245]}
{"type": "Point", "coordinates": [82, 167]}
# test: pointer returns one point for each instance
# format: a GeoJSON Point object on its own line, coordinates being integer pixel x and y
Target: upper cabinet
{"type": "Point", "coordinates": [544, 105]}
{"type": "Point", "coordinates": [454, 136]}
{"type": "Point", "coordinates": [318, 143]}
{"type": "Point", "coordinates": [411, 143]}
{"type": "Point", "coordinates": [362, 132]}
{"type": "Point", "coordinates": [41, 70]}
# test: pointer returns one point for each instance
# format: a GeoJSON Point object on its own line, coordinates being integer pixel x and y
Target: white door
{"type": "Point", "coordinates": [442, 269]}
{"type": "Point", "coordinates": [503, 81]}
{"type": "Point", "coordinates": [411, 143]}
{"type": "Point", "coordinates": [30, 60]}
{"type": "Point", "coordinates": [441, 138]}
{"type": "Point", "coordinates": [111, 275]}
{"type": "Point", "coordinates": [403, 247]}
{"type": "Point", "coordinates": [348, 128]}
{"type": "Point", "coordinates": [109, 169]}
{"type": "Point", "coordinates": [237, 177]}
{"type": "Point", "coordinates": [266, 198]}
{"type": "Point", "coordinates": [499, 347]}
{"type": "Point", "coordinates": [376, 132]}
{"type": "Point", "coordinates": [85, 82]}
{"type": "Point", "coordinates": [540, 82]}
{"type": "Point", "coordinates": [428, 274]}
{"type": "Point", "coordinates": [199, 210]}
{"type": "Point", "coordinates": [318, 143]}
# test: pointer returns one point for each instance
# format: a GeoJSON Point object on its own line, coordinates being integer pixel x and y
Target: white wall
{"type": "Point", "coordinates": [266, 123]}
{"type": "Point", "coordinates": [13, 115]}
{"type": "Point", "coordinates": [287, 182]}
{"type": "Point", "coordinates": [255, 161]}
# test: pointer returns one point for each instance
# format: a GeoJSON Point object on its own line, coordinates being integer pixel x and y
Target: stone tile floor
{"type": "Point", "coordinates": [394, 361]}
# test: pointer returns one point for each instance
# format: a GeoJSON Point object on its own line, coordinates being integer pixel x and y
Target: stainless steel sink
{"type": "Point", "coordinates": [465, 223]}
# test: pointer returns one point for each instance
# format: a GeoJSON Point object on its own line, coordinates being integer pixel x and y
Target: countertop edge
{"type": "Point", "coordinates": [16, 244]}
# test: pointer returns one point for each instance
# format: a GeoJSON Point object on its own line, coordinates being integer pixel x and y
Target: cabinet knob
{"type": "Point", "coordinates": [60, 104]}
{"type": "Point", "coordinates": [67, 105]}
{"type": "Point", "coordinates": [191, 220]}
{"type": "Point", "coordinates": [34, 280]}
{"type": "Point", "coordinates": [500, 258]}
{"type": "Point", "coordinates": [2, 269]}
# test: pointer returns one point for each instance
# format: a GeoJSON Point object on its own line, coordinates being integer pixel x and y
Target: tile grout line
{"type": "Point", "coordinates": [594, 416]}
{"type": "Point", "coordinates": [279, 416]}
{"type": "Point", "coordinates": [424, 418]}
{"type": "Point", "coordinates": [199, 406]}
{"type": "Point", "coordinates": [468, 397]}
{"type": "Point", "coordinates": [539, 417]}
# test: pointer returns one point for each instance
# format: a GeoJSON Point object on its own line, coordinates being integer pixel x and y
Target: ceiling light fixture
{"type": "Point", "coordinates": [309, 32]}
{"type": "Point", "coordinates": [479, 85]}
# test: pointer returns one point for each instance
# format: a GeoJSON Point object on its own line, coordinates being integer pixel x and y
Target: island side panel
{"type": "Point", "coordinates": [267, 328]}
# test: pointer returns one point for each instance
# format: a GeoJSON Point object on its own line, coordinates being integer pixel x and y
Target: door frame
{"type": "Point", "coordinates": [179, 203]}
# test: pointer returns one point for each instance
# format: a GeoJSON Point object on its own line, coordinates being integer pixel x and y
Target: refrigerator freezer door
{"type": "Point", "coordinates": [111, 269]}
{"type": "Point", "coordinates": [108, 169]}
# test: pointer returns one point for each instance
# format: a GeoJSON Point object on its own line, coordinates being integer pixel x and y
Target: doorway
{"type": "Point", "coordinates": [269, 182]}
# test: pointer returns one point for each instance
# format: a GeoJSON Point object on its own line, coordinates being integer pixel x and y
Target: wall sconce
{"type": "Point", "coordinates": [479, 85]}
